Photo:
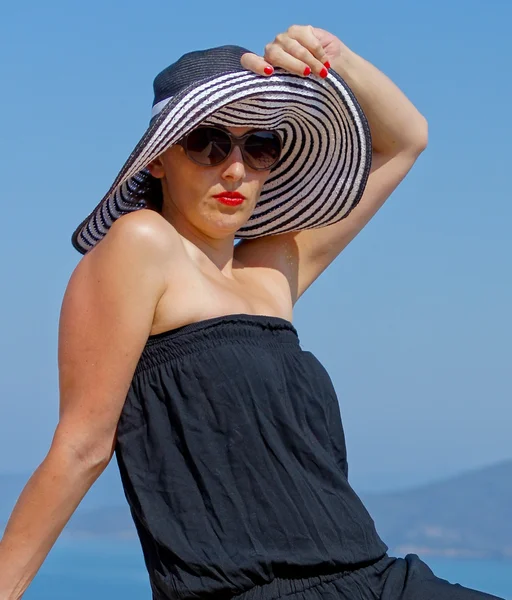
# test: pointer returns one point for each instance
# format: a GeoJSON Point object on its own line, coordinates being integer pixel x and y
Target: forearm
{"type": "Point", "coordinates": [395, 124]}
{"type": "Point", "coordinates": [43, 509]}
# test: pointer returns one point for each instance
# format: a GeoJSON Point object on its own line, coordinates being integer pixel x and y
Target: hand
{"type": "Point", "coordinates": [302, 50]}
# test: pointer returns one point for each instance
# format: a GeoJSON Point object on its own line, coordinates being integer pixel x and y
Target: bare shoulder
{"type": "Point", "coordinates": [142, 240]}
{"type": "Point", "coordinates": [270, 262]}
{"type": "Point", "coordinates": [275, 258]}
{"type": "Point", "coordinates": [122, 277]}
{"type": "Point", "coordinates": [142, 231]}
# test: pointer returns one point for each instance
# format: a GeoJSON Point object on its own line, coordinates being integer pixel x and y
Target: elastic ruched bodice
{"type": "Point", "coordinates": [232, 456]}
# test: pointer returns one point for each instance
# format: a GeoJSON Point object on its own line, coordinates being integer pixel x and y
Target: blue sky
{"type": "Point", "coordinates": [412, 321]}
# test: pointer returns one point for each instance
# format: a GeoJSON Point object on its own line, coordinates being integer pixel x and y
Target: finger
{"type": "Point", "coordinates": [291, 56]}
{"type": "Point", "coordinates": [256, 63]}
{"type": "Point", "coordinates": [305, 36]}
{"type": "Point", "coordinates": [278, 57]}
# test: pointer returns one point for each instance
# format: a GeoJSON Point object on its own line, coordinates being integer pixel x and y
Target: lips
{"type": "Point", "coordinates": [230, 198]}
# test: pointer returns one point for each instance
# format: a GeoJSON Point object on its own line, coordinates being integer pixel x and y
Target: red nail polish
{"type": "Point", "coordinates": [323, 73]}
{"type": "Point", "coordinates": [268, 70]}
{"type": "Point", "coordinates": [307, 71]}
{"type": "Point", "coordinates": [327, 65]}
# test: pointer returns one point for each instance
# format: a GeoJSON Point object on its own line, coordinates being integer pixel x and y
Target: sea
{"type": "Point", "coordinates": [112, 570]}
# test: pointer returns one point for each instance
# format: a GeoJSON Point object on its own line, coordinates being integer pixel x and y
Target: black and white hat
{"type": "Point", "coordinates": [326, 154]}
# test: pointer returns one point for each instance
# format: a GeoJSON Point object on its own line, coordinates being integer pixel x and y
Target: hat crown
{"type": "Point", "coordinates": [194, 67]}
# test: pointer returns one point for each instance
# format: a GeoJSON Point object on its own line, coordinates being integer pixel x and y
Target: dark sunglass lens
{"type": "Point", "coordinates": [263, 149]}
{"type": "Point", "coordinates": [208, 146]}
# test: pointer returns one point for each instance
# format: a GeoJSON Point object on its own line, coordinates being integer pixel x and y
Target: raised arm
{"type": "Point", "coordinates": [399, 135]}
{"type": "Point", "coordinates": [106, 318]}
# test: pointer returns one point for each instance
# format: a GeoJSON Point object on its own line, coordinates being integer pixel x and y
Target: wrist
{"type": "Point", "coordinates": [343, 62]}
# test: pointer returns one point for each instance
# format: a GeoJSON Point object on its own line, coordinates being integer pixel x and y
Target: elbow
{"type": "Point", "coordinates": [93, 459]}
{"type": "Point", "coordinates": [412, 141]}
{"type": "Point", "coordinates": [415, 141]}
{"type": "Point", "coordinates": [419, 140]}
{"type": "Point", "coordinates": [88, 454]}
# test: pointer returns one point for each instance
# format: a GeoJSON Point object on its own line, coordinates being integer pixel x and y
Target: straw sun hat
{"type": "Point", "coordinates": [326, 150]}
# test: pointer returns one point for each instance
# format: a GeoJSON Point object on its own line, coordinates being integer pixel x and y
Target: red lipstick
{"type": "Point", "coordinates": [230, 198]}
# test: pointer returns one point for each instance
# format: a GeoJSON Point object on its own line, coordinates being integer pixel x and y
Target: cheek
{"type": "Point", "coordinates": [187, 186]}
{"type": "Point", "coordinates": [178, 173]}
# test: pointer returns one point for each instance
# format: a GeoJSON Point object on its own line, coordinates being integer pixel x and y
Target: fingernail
{"type": "Point", "coordinates": [307, 71]}
{"type": "Point", "coordinates": [323, 73]}
{"type": "Point", "coordinates": [327, 64]}
{"type": "Point", "coordinates": [268, 70]}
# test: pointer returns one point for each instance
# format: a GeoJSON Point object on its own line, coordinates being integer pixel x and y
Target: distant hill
{"type": "Point", "coordinates": [465, 516]}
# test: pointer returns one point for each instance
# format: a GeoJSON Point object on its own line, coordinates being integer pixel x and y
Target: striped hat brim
{"type": "Point", "coordinates": [323, 168]}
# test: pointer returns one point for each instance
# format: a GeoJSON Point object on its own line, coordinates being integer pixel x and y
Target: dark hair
{"type": "Point", "coordinates": [153, 195]}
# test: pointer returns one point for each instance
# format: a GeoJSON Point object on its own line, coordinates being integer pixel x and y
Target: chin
{"type": "Point", "coordinates": [230, 219]}
{"type": "Point", "coordinates": [227, 225]}
{"type": "Point", "coordinates": [224, 231]}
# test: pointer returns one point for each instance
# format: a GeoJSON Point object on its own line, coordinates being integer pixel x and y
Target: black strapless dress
{"type": "Point", "coordinates": [232, 457]}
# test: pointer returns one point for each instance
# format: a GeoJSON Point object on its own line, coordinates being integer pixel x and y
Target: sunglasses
{"type": "Point", "coordinates": [210, 146]}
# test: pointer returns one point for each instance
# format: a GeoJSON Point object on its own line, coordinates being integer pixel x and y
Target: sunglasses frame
{"type": "Point", "coordinates": [235, 141]}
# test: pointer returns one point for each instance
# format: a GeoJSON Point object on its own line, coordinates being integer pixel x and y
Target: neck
{"type": "Point", "coordinates": [206, 250]}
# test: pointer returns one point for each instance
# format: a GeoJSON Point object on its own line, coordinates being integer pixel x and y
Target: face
{"type": "Point", "coordinates": [190, 191]}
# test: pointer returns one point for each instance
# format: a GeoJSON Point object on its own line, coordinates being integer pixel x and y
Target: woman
{"type": "Point", "coordinates": [176, 347]}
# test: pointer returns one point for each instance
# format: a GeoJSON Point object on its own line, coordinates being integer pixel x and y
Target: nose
{"type": "Point", "coordinates": [233, 167]}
